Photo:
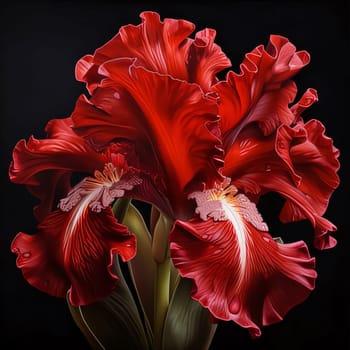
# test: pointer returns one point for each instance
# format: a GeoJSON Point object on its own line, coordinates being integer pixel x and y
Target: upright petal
{"type": "Point", "coordinates": [262, 84]}
{"type": "Point", "coordinates": [167, 120]}
{"type": "Point", "coordinates": [206, 59]}
{"type": "Point", "coordinates": [159, 46]}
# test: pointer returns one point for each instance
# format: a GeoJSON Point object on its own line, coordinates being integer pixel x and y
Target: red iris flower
{"type": "Point", "coordinates": [252, 279]}
{"type": "Point", "coordinates": [159, 126]}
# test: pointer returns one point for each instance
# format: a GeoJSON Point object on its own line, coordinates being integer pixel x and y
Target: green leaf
{"type": "Point", "coordinates": [113, 323]}
{"type": "Point", "coordinates": [142, 266]}
{"type": "Point", "coordinates": [187, 324]}
{"type": "Point", "coordinates": [160, 242]}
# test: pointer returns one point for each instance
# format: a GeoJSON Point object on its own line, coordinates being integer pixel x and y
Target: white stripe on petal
{"type": "Point", "coordinates": [234, 216]}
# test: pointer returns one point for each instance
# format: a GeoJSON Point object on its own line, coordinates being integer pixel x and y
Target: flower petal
{"type": "Point", "coordinates": [307, 100]}
{"type": "Point", "coordinates": [206, 59]}
{"type": "Point", "coordinates": [74, 250]}
{"type": "Point", "coordinates": [46, 165]}
{"type": "Point", "coordinates": [315, 161]}
{"type": "Point", "coordinates": [299, 163]}
{"type": "Point", "coordinates": [241, 273]}
{"type": "Point", "coordinates": [262, 84]}
{"type": "Point", "coordinates": [159, 46]}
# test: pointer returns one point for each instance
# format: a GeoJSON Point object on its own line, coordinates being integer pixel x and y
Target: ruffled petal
{"type": "Point", "coordinates": [241, 273]}
{"type": "Point", "coordinates": [307, 100]}
{"type": "Point", "coordinates": [46, 165]}
{"type": "Point", "coordinates": [299, 163]}
{"type": "Point", "coordinates": [168, 121]}
{"type": "Point", "coordinates": [314, 161]}
{"type": "Point", "coordinates": [262, 84]}
{"type": "Point", "coordinates": [74, 250]}
{"type": "Point", "coordinates": [159, 46]}
{"type": "Point", "coordinates": [206, 59]}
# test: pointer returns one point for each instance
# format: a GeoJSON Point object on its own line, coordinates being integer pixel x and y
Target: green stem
{"type": "Point", "coordinates": [161, 300]}
{"type": "Point", "coordinates": [160, 252]}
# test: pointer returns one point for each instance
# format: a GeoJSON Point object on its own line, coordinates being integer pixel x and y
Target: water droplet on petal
{"type": "Point", "coordinates": [216, 236]}
{"type": "Point", "coordinates": [205, 236]}
{"type": "Point", "coordinates": [268, 167]}
{"type": "Point", "coordinates": [235, 305]}
{"type": "Point", "coordinates": [116, 95]}
{"type": "Point", "coordinates": [26, 255]}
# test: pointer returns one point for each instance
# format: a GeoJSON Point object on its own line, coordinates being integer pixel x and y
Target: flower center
{"type": "Point", "coordinates": [109, 175]}
{"type": "Point", "coordinates": [223, 202]}
{"type": "Point", "coordinates": [99, 191]}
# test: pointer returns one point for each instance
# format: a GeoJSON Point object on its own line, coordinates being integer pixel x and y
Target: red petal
{"type": "Point", "coordinates": [61, 149]}
{"type": "Point", "coordinates": [241, 274]}
{"type": "Point", "coordinates": [308, 99]}
{"type": "Point", "coordinates": [314, 160]}
{"type": "Point", "coordinates": [299, 163]}
{"type": "Point", "coordinates": [74, 250]}
{"type": "Point", "coordinates": [162, 47]}
{"type": "Point", "coordinates": [158, 46]}
{"type": "Point", "coordinates": [45, 165]}
{"type": "Point", "coordinates": [167, 119]}
{"type": "Point", "coordinates": [262, 80]}
{"type": "Point", "coordinates": [206, 59]}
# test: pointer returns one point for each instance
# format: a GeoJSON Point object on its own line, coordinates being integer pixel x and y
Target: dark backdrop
{"type": "Point", "coordinates": [40, 44]}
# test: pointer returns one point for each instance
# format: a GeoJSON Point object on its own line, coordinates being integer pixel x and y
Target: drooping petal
{"type": "Point", "coordinates": [241, 273]}
{"type": "Point", "coordinates": [159, 46]}
{"type": "Point", "coordinates": [168, 120]}
{"type": "Point", "coordinates": [74, 250]}
{"type": "Point", "coordinates": [262, 84]}
{"type": "Point", "coordinates": [74, 246]}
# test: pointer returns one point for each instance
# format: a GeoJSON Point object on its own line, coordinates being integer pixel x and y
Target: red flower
{"type": "Point", "coordinates": [160, 127]}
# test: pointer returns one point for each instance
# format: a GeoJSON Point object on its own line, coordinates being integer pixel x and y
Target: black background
{"type": "Point", "coordinates": [40, 44]}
